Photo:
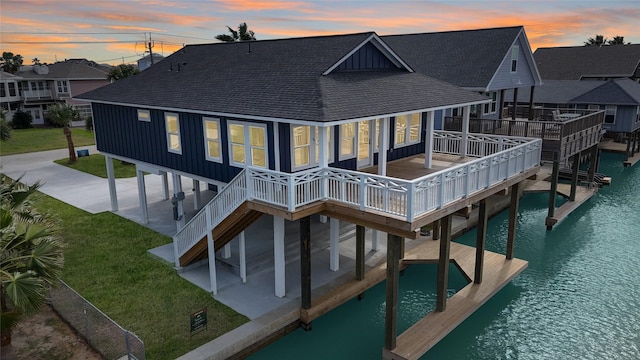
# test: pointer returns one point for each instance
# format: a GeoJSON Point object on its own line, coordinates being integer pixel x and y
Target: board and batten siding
{"type": "Point", "coordinates": [367, 57]}
{"type": "Point", "coordinates": [625, 119]}
{"type": "Point", "coordinates": [505, 79]}
{"type": "Point", "coordinates": [119, 132]}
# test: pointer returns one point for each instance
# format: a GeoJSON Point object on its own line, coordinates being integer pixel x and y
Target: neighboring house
{"type": "Point", "coordinates": [43, 85]}
{"type": "Point", "coordinates": [589, 62]}
{"type": "Point", "coordinates": [619, 98]}
{"type": "Point", "coordinates": [10, 98]}
{"type": "Point", "coordinates": [146, 62]}
{"type": "Point", "coordinates": [488, 61]}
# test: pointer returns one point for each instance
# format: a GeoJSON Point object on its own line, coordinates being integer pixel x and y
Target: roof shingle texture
{"type": "Point", "coordinates": [279, 79]}
{"type": "Point", "coordinates": [571, 63]}
{"type": "Point", "coordinates": [467, 58]}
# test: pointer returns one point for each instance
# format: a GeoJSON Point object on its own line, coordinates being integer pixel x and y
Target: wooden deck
{"type": "Point", "coordinates": [617, 147]}
{"type": "Point", "coordinates": [424, 334]}
{"type": "Point", "coordinates": [413, 167]}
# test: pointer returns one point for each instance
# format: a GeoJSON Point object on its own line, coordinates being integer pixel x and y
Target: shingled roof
{"type": "Point", "coordinates": [576, 62]}
{"type": "Point", "coordinates": [282, 79]}
{"type": "Point", "coordinates": [593, 92]}
{"type": "Point", "coordinates": [68, 70]}
{"type": "Point", "coordinates": [467, 58]}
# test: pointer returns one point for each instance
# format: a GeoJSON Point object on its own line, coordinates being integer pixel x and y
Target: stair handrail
{"type": "Point", "coordinates": [226, 201]}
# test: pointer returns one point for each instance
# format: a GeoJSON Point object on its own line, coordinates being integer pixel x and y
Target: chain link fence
{"type": "Point", "coordinates": [111, 340]}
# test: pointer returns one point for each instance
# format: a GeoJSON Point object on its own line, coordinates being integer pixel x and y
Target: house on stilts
{"type": "Point", "coordinates": [337, 126]}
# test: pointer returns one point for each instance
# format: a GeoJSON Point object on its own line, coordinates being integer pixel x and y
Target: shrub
{"type": "Point", "coordinates": [21, 120]}
{"type": "Point", "coordinates": [88, 123]}
{"type": "Point", "coordinates": [5, 131]}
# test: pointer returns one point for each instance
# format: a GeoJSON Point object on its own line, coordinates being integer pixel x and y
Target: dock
{"type": "Point", "coordinates": [631, 157]}
{"type": "Point", "coordinates": [423, 335]}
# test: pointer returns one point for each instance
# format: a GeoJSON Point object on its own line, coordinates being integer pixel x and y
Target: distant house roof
{"type": "Point", "coordinates": [595, 92]}
{"type": "Point", "coordinates": [8, 76]}
{"type": "Point", "coordinates": [69, 70]}
{"type": "Point", "coordinates": [283, 79]}
{"type": "Point", "coordinates": [577, 62]}
{"type": "Point", "coordinates": [156, 57]}
{"type": "Point", "coordinates": [467, 58]}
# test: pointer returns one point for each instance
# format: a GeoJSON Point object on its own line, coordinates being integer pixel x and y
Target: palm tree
{"type": "Point", "coordinates": [243, 34]}
{"type": "Point", "coordinates": [62, 114]}
{"type": "Point", "coordinates": [617, 40]}
{"type": "Point", "coordinates": [31, 256]}
{"type": "Point", "coordinates": [599, 40]}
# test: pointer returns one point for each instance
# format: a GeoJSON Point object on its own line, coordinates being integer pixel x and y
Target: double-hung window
{"type": "Point", "coordinates": [247, 144]}
{"type": "Point", "coordinates": [12, 89]}
{"type": "Point", "coordinates": [490, 108]}
{"type": "Point", "coordinates": [172, 124]}
{"type": "Point", "coordinates": [63, 86]}
{"type": "Point", "coordinates": [212, 139]}
{"type": "Point", "coordinates": [610, 114]}
{"type": "Point", "coordinates": [407, 129]}
{"type": "Point", "coordinates": [514, 58]}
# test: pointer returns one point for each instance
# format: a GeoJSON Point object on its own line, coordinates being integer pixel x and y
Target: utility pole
{"type": "Point", "coordinates": [150, 47]}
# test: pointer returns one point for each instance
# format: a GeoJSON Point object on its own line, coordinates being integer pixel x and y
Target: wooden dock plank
{"type": "Point", "coordinates": [582, 195]}
{"type": "Point", "coordinates": [423, 335]}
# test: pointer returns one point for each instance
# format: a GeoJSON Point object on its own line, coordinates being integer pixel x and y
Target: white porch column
{"type": "Point", "coordinates": [384, 146]}
{"type": "Point", "coordinates": [278, 256]}
{"type": "Point", "coordinates": [465, 130]}
{"type": "Point", "coordinates": [178, 197]}
{"type": "Point", "coordinates": [226, 251]}
{"type": "Point", "coordinates": [334, 244]}
{"type": "Point", "coordinates": [196, 195]}
{"type": "Point", "coordinates": [382, 169]}
{"type": "Point", "coordinates": [213, 279]}
{"type": "Point", "coordinates": [243, 257]}
{"type": "Point", "coordinates": [428, 147]}
{"type": "Point", "coordinates": [323, 219]}
{"type": "Point", "coordinates": [142, 197]}
{"type": "Point", "coordinates": [165, 185]}
{"type": "Point", "coordinates": [113, 194]}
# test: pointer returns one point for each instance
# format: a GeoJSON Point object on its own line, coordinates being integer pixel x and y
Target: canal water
{"type": "Point", "coordinates": [578, 299]}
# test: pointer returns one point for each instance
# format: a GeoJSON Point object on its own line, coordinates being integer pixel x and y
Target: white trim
{"type": "Point", "coordinates": [380, 45]}
{"type": "Point", "coordinates": [315, 144]}
{"type": "Point", "coordinates": [206, 139]}
{"type": "Point", "coordinates": [168, 134]}
{"type": "Point", "coordinates": [247, 143]}
{"type": "Point", "coordinates": [283, 120]}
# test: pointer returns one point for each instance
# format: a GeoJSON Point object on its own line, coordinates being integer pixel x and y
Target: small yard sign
{"type": "Point", "coordinates": [199, 320]}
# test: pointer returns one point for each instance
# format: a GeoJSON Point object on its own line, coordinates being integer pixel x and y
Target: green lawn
{"type": "Point", "coordinates": [95, 165]}
{"type": "Point", "coordinates": [106, 260]}
{"type": "Point", "coordinates": [41, 139]}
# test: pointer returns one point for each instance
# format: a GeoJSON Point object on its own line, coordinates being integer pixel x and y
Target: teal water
{"type": "Point", "coordinates": [578, 299]}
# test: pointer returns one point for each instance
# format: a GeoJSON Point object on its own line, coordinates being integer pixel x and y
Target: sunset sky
{"type": "Point", "coordinates": [116, 31]}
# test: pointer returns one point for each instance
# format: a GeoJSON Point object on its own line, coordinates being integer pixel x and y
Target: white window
{"type": "Point", "coordinates": [408, 129]}
{"type": "Point", "coordinates": [12, 89]}
{"type": "Point", "coordinates": [594, 107]}
{"type": "Point", "coordinates": [212, 139]}
{"type": "Point", "coordinates": [490, 108]}
{"type": "Point", "coordinates": [514, 58]}
{"type": "Point", "coordinates": [347, 140]}
{"type": "Point", "coordinates": [172, 123]}
{"type": "Point", "coordinates": [3, 91]}
{"type": "Point", "coordinates": [610, 114]}
{"type": "Point", "coordinates": [637, 113]}
{"type": "Point", "coordinates": [63, 86]}
{"type": "Point", "coordinates": [144, 115]}
{"type": "Point", "coordinates": [247, 144]}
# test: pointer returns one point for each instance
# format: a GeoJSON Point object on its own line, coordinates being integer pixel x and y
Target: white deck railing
{"type": "Point", "coordinates": [36, 94]}
{"type": "Point", "coordinates": [499, 158]}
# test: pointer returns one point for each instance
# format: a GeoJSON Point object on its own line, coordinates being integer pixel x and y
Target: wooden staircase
{"type": "Point", "coordinates": [223, 233]}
